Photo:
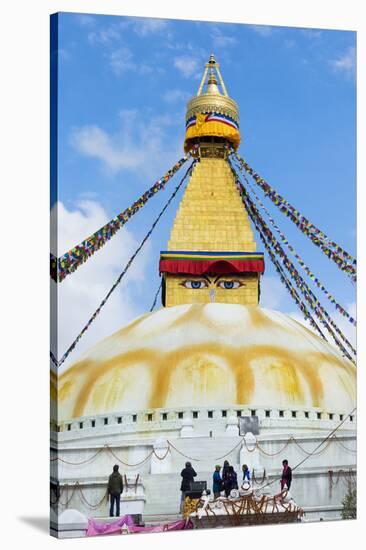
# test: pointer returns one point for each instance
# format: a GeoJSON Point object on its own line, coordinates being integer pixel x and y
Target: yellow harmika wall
{"type": "Point", "coordinates": [211, 217]}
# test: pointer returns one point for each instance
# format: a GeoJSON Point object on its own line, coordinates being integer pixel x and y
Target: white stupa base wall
{"type": "Point", "coordinates": [157, 451]}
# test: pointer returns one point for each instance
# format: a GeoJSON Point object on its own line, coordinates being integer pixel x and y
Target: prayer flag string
{"type": "Point", "coordinates": [69, 262]}
{"type": "Point", "coordinates": [298, 258]}
{"type": "Point", "coordinates": [319, 311]}
{"type": "Point", "coordinates": [332, 250]}
{"type": "Point", "coordinates": [278, 267]}
{"type": "Point", "coordinates": [314, 303]}
{"type": "Point", "coordinates": [309, 296]}
{"type": "Point", "coordinates": [121, 275]}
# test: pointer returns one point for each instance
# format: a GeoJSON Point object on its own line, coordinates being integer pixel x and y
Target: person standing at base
{"type": "Point", "coordinates": [225, 476]}
{"type": "Point", "coordinates": [246, 473]}
{"type": "Point", "coordinates": [217, 482]}
{"type": "Point", "coordinates": [232, 481]}
{"type": "Point", "coordinates": [286, 478]}
{"type": "Point", "coordinates": [188, 474]}
{"type": "Point", "coordinates": [115, 489]}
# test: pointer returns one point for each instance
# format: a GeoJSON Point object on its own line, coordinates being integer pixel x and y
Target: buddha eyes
{"type": "Point", "coordinates": [228, 285]}
{"type": "Point", "coordinates": [195, 284]}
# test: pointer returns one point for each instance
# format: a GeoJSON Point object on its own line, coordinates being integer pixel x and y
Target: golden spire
{"type": "Point", "coordinates": [212, 113]}
{"type": "Point", "coordinates": [211, 254]}
{"type": "Point", "coordinates": [212, 87]}
{"type": "Point", "coordinates": [212, 66]}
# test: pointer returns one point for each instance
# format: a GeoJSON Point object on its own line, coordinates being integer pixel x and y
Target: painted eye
{"type": "Point", "coordinates": [195, 285]}
{"type": "Point", "coordinates": [229, 285]}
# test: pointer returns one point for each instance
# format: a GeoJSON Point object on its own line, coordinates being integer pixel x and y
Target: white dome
{"type": "Point", "coordinates": [208, 355]}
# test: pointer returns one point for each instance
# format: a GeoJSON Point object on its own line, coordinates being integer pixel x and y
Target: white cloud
{"type": "Point", "coordinates": [343, 323]}
{"type": "Point", "coordinates": [121, 61]}
{"type": "Point", "coordinates": [275, 296]}
{"type": "Point", "coordinates": [220, 39]}
{"type": "Point", "coordinates": [141, 144]}
{"type": "Point", "coordinates": [290, 43]}
{"type": "Point", "coordinates": [105, 35]}
{"type": "Point", "coordinates": [273, 292]}
{"type": "Point", "coordinates": [148, 69]}
{"type": "Point", "coordinates": [345, 63]}
{"type": "Point", "coordinates": [176, 95]}
{"type": "Point", "coordinates": [145, 27]}
{"type": "Point", "coordinates": [187, 46]}
{"type": "Point", "coordinates": [86, 20]}
{"type": "Point", "coordinates": [262, 30]}
{"type": "Point", "coordinates": [187, 66]}
{"type": "Point", "coordinates": [81, 293]}
{"type": "Point", "coordinates": [94, 142]}
{"type": "Point", "coordinates": [312, 33]}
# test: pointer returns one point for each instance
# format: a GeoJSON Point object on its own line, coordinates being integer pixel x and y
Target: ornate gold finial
{"type": "Point", "coordinates": [212, 113]}
{"type": "Point", "coordinates": [212, 78]}
{"type": "Point", "coordinates": [212, 66]}
{"type": "Point", "coordinates": [212, 87]}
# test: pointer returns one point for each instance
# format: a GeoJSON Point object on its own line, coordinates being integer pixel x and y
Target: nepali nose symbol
{"type": "Point", "coordinates": [212, 294]}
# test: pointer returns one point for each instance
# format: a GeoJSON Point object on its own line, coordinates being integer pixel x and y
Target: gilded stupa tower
{"type": "Point", "coordinates": [211, 254]}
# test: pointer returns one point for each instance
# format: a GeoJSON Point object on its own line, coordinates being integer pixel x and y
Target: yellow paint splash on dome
{"type": "Point", "coordinates": [53, 391]}
{"type": "Point", "coordinates": [259, 319]}
{"type": "Point", "coordinates": [88, 389]}
{"type": "Point", "coordinates": [65, 389]}
{"type": "Point", "coordinates": [149, 378]}
{"type": "Point", "coordinates": [201, 373]}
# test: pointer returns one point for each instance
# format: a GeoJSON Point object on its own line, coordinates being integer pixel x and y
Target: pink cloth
{"type": "Point", "coordinates": [97, 528]}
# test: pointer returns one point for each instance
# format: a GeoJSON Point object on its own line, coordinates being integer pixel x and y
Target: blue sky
{"type": "Point", "coordinates": [123, 87]}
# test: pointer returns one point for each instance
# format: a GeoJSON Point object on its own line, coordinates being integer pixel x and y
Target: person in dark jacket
{"type": "Point", "coordinates": [188, 474]}
{"type": "Point", "coordinates": [286, 478]}
{"type": "Point", "coordinates": [225, 471]}
{"type": "Point", "coordinates": [225, 478]}
{"type": "Point", "coordinates": [115, 489]}
{"type": "Point", "coordinates": [217, 482]}
{"type": "Point", "coordinates": [232, 479]}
